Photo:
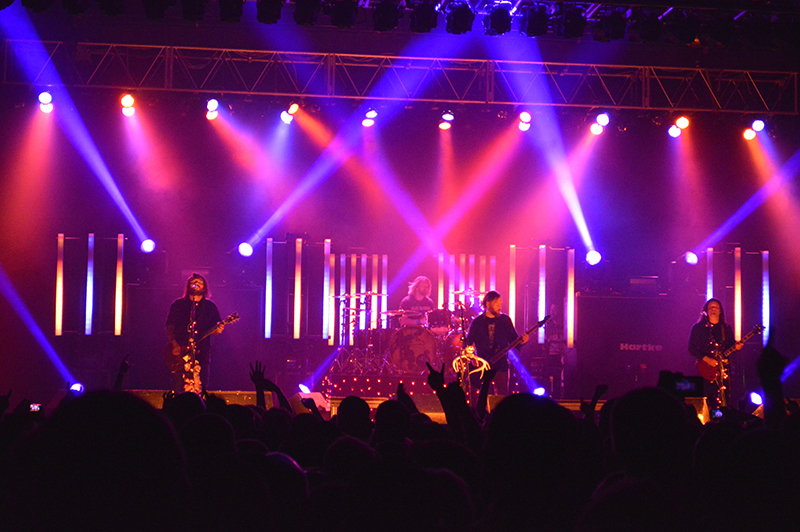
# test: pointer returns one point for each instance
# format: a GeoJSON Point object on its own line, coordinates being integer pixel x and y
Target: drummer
{"type": "Point", "coordinates": [417, 303]}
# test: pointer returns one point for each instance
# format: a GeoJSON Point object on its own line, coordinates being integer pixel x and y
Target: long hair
{"type": "Point", "coordinates": [205, 293]}
{"type": "Point", "coordinates": [412, 286]}
{"type": "Point", "coordinates": [489, 297]}
{"type": "Point", "coordinates": [704, 314]}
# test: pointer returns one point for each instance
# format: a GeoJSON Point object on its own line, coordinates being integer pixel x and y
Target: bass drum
{"type": "Point", "coordinates": [410, 348]}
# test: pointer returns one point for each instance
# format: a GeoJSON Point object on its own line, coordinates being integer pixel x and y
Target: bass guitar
{"type": "Point", "coordinates": [711, 373]}
{"type": "Point", "coordinates": [174, 361]}
{"type": "Point", "coordinates": [503, 352]}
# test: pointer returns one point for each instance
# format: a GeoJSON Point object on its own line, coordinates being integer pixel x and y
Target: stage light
{"type": "Point", "coordinates": [212, 115]}
{"type": "Point", "coordinates": [524, 126]}
{"type": "Point", "coordinates": [448, 116]}
{"type": "Point", "coordinates": [534, 20]}
{"type": "Point", "coordinates": [573, 22]}
{"type": "Point", "coordinates": [593, 257]}
{"type": "Point", "coordinates": [212, 104]}
{"type": "Point", "coordinates": [423, 16]}
{"type": "Point", "coordinates": [372, 113]}
{"type": "Point", "coordinates": [286, 118]}
{"type": "Point", "coordinates": [674, 131]}
{"type": "Point", "coordinates": [690, 257]}
{"type": "Point", "coordinates": [127, 101]}
{"type": "Point", "coordinates": [757, 125]}
{"type": "Point", "coordinates": [305, 11]}
{"type": "Point", "coordinates": [293, 108]}
{"type": "Point", "coordinates": [77, 388]}
{"type": "Point", "coordinates": [525, 116]}
{"type": "Point", "coordinates": [245, 249]}
{"type": "Point", "coordinates": [444, 125]}
{"type": "Point", "coordinates": [268, 11]}
{"type": "Point", "coordinates": [756, 398]}
{"type": "Point", "coordinates": [596, 128]}
{"type": "Point", "coordinates": [46, 107]}
{"type": "Point", "coordinates": [603, 119]}
{"type": "Point", "coordinates": [147, 246]}
{"type": "Point", "coordinates": [386, 15]}
{"type": "Point", "coordinates": [459, 17]}
{"type": "Point", "coordinates": [45, 97]}
{"type": "Point", "coordinates": [304, 389]}
{"type": "Point", "coordinates": [498, 20]}
{"type": "Point", "coordinates": [540, 391]}
{"type": "Point", "coordinates": [749, 134]}
{"type": "Point", "coordinates": [368, 122]}
{"type": "Point", "coordinates": [682, 122]}
{"type": "Point", "coordinates": [129, 111]}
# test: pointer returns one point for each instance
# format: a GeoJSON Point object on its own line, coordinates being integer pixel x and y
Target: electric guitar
{"type": "Point", "coordinates": [500, 354]}
{"type": "Point", "coordinates": [711, 373]}
{"type": "Point", "coordinates": [175, 361]}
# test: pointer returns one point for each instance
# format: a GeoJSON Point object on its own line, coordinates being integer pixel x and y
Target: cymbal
{"type": "Point", "coordinates": [394, 312]}
{"type": "Point", "coordinates": [369, 294]}
{"type": "Point", "coordinates": [351, 309]}
{"type": "Point", "coordinates": [340, 296]}
{"type": "Point", "coordinates": [469, 292]}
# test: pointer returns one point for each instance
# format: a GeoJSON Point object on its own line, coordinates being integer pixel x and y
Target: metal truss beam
{"type": "Point", "coordinates": [440, 80]}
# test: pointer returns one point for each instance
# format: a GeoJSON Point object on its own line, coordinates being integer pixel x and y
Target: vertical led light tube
{"type": "Point", "coordinates": [512, 282]}
{"type": "Point", "coordinates": [353, 299]}
{"type": "Point", "coordinates": [542, 304]}
{"type": "Point", "coordinates": [118, 286]}
{"type": "Point", "coordinates": [570, 298]}
{"type": "Point", "coordinates": [737, 293]}
{"type": "Point", "coordinates": [471, 283]}
{"type": "Point", "coordinates": [492, 273]}
{"type": "Point", "coordinates": [326, 288]}
{"type": "Point", "coordinates": [440, 294]}
{"type": "Point", "coordinates": [332, 300]}
{"type": "Point", "coordinates": [268, 293]}
{"type": "Point", "coordinates": [362, 316]}
{"type": "Point", "coordinates": [385, 289]}
{"type": "Point", "coordinates": [87, 327]}
{"type": "Point", "coordinates": [60, 286]}
{"type": "Point", "coordinates": [374, 307]}
{"type": "Point", "coordinates": [709, 273]}
{"type": "Point", "coordinates": [765, 297]}
{"type": "Point", "coordinates": [451, 297]}
{"type": "Point", "coordinates": [298, 280]}
{"type": "Point", "coordinates": [343, 321]}
{"type": "Point", "coordinates": [482, 274]}
{"type": "Point", "coordinates": [462, 276]}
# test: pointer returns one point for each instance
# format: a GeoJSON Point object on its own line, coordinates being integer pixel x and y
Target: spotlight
{"type": "Point", "coordinates": [540, 391]}
{"type": "Point", "coordinates": [534, 20]}
{"type": "Point", "coordinates": [498, 21]}
{"type": "Point", "coordinates": [293, 108]}
{"type": "Point", "coordinates": [690, 257]}
{"type": "Point", "coordinates": [524, 126]}
{"type": "Point", "coordinates": [245, 249]}
{"type": "Point", "coordinates": [757, 125]}
{"type": "Point", "coordinates": [448, 116]}
{"type": "Point", "coordinates": [212, 115]}
{"type": "Point", "coordinates": [268, 11]}
{"type": "Point", "coordinates": [525, 116]}
{"type": "Point", "coordinates": [603, 119]}
{"type": "Point", "coordinates": [749, 134]}
{"type": "Point", "coordinates": [423, 16]}
{"type": "Point", "coordinates": [286, 118]}
{"type": "Point", "coordinates": [596, 128]}
{"type": "Point", "coordinates": [45, 97]}
{"type": "Point", "coordinates": [305, 11]}
{"type": "Point", "coordinates": [303, 388]}
{"type": "Point", "coordinates": [756, 398]}
{"type": "Point", "coordinates": [77, 388]}
{"type": "Point", "coordinates": [147, 246]}
{"type": "Point", "coordinates": [372, 113]}
{"type": "Point", "coordinates": [127, 101]}
{"type": "Point", "coordinates": [444, 125]}
{"type": "Point", "coordinates": [129, 111]}
{"type": "Point", "coordinates": [593, 257]}
{"type": "Point", "coordinates": [386, 15]}
{"type": "Point", "coordinates": [212, 104]}
{"type": "Point", "coordinates": [342, 12]}
{"type": "Point", "coordinates": [682, 122]}
{"type": "Point", "coordinates": [459, 17]}
{"type": "Point", "coordinates": [674, 131]}
{"type": "Point", "coordinates": [573, 22]}
{"type": "Point", "coordinates": [46, 107]}
{"type": "Point", "coordinates": [368, 122]}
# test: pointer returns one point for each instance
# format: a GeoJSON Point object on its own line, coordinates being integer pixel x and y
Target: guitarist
{"type": "Point", "coordinates": [710, 335]}
{"type": "Point", "coordinates": [189, 318]}
{"type": "Point", "coordinates": [490, 333]}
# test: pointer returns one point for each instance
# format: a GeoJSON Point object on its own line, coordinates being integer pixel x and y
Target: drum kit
{"type": "Point", "coordinates": [402, 350]}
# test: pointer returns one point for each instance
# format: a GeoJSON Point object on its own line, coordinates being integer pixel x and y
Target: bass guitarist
{"type": "Point", "coordinates": [190, 317]}
{"type": "Point", "coordinates": [710, 336]}
{"type": "Point", "coordinates": [490, 333]}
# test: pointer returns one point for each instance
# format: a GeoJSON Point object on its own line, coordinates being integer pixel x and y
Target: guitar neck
{"type": "Point", "coordinates": [745, 338]}
{"type": "Point", "coordinates": [518, 341]}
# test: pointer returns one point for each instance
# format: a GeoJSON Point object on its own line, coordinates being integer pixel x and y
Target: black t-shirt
{"type": "Point", "coordinates": [704, 335]}
{"type": "Point", "coordinates": [490, 335]}
{"type": "Point", "coordinates": [422, 305]}
{"type": "Point", "coordinates": [206, 318]}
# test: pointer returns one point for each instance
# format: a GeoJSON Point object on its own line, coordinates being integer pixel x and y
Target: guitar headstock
{"type": "Point", "coordinates": [230, 319]}
{"type": "Point", "coordinates": [758, 329]}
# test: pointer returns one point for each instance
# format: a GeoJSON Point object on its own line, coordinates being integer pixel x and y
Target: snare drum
{"type": "Point", "coordinates": [411, 347]}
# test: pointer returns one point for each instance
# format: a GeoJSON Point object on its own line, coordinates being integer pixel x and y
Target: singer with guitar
{"type": "Point", "coordinates": [490, 333]}
{"type": "Point", "coordinates": [709, 336]}
{"type": "Point", "coordinates": [190, 317]}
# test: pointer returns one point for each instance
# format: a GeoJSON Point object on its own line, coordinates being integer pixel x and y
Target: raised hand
{"type": "Point", "coordinates": [257, 375]}
{"type": "Point", "coordinates": [435, 378]}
